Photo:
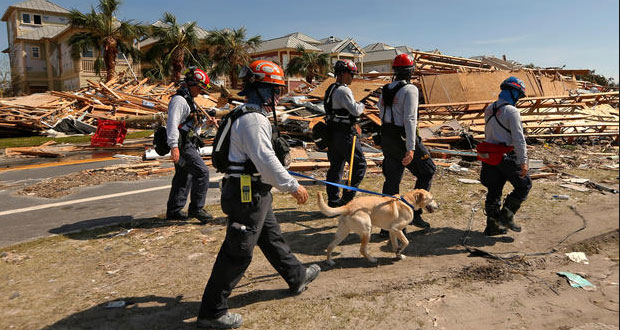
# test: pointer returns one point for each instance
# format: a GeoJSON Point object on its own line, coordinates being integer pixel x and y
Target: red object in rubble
{"type": "Point", "coordinates": [109, 133]}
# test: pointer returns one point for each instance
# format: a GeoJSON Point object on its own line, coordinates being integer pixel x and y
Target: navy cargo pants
{"type": "Point", "coordinates": [495, 177]}
{"type": "Point", "coordinates": [422, 167]}
{"type": "Point", "coordinates": [191, 174]}
{"type": "Point", "coordinates": [249, 224]}
{"type": "Point", "coordinates": [339, 153]}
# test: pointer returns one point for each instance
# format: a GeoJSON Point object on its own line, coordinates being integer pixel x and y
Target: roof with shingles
{"type": "Point", "coordinates": [303, 37]}
{"type": "Point", "coordinates": [46, 31]}
{"type": "Point", "coordinates": [337, 47]}
{"type": "Point", "coordinates": [200, 33]}
{"type": "Point", "coordinates": [37, 5]}
{"type": "Point", "coordinates": [387, 55]}
{"type": "Point", "coordinates": [289, 42]}
{"type": "Point", "coordinates": [378, 46]}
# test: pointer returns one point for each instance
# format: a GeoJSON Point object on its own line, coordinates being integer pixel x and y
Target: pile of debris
{"type": "Point", "coordinates": [132, 101]}
{"type": "Point", "coordinates": [454, 103]}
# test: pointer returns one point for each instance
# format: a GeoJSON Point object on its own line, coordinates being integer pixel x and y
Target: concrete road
{"type": "Point", "coordinates": [24, 218]}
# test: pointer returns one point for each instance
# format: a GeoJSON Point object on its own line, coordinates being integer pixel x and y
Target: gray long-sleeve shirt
{"type": "Point", "coordinates": [342, 98]}
{"type": "Point", "coordinates": [250, 138]}
{"type": "Point", "coordinates": [509, 116]}
{"type": "Point", "coordinates": [403, 112]}
{"type": "Point", "coordinates": [178, 111]}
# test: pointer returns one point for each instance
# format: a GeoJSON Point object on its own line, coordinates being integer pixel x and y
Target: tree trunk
{"type": "Point", "coordinates": [178, 65]}
{"type": "Point", "coordinates": [110, 52]}
{"type": "Point", "coordinates": [233, 80]}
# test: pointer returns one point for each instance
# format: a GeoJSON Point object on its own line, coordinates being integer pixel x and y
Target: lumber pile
{"type": "Point", "coordinates": [134, 101]}
{"type": "Point", "coordinates": [454, 103]}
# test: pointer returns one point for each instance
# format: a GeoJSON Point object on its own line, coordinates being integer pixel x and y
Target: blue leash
{"type": "Point", "coordinates": [349, 187]}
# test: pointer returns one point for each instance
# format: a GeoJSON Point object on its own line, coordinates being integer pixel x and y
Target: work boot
{"type": "Point", "coordinates": [226, 321]}
{"type": "Point", "coordinates": [202, 216]}
{"type": "Point", "coordinates": [180, 215]}
{"type": "Point", "coordinates": [312, 272]}
{"type": "Point", "coordinates": [418, 221]}
{"type": "Point", "coordinates": [507, 214]}
{"type": "Point", "coordinates": [493, 228]}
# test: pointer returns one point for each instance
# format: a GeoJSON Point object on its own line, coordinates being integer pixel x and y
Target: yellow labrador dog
{"type": "Point", "coordinates": [362, 213]}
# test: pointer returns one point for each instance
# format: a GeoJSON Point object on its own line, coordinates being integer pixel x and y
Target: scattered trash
{"type": "Point", "coordinates": [573, 187]}
{"type": "Point", "coordinates": [112, 272]}
{"type": "Point", "coordinates": [124, 232]}
{"type": "Point", "coordinates": [457, 168]}
{"type": "Point", "coordinates": [600, 187]}
{"type": "Point", "coordinates": [577, 281]}
{"type": "Point", "coordinates": [561, 197]}
{"type": "Point", "coordinates": [578, 257]}
{"type": "Point", "coordinates": [116, 304]}
{"type": "Point", "coordinates": [14, 295]}
{"type": "Point", "coordinates": [535, 164]}
{"type": "Point", "coordinates": [577, 180]}
{"type": "Point", "coordinates": [468, 181]}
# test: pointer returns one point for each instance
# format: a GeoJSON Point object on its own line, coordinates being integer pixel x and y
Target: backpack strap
{"type": "Point", "coordinates": [495, 109]}
{"type": "Point", "coordinates": [190, 102]}
{"type": "Point", "coordinates": [388, 97]}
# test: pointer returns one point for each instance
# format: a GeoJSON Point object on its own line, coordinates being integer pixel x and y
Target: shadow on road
{"type": "Point", "coordinates": [154, 312]}
{"type": "Point", "coordinates": [112, 226]}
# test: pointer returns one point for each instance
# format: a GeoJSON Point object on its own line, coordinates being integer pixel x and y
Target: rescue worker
{"type": "Point", "coordinates": [341, 116]}
{"type": "Point", "coordinates": [402, 147]}
{"type": "Point", "coordinates": [252, 158]}
{"type": "Point", "coordinates": [505, 142]}
{"type": "Point", "coordinates": [183, 130]}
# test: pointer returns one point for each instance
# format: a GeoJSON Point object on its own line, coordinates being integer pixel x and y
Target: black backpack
{"type": "Point", "coordinates": [221, 143]}
{"type": "Point", "coordinates": [160, 141]}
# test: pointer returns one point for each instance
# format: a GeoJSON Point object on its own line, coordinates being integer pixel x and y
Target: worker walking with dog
{"type": "Point", "coordinates": [252, 164]}
{"type": "Point", "coordinates": [504, 158]}
{"type": "Point", "coordinates": [402, 147]}
{"type": "Point", "coordinates": [183, 130]}
{"type": "Point", "coordinates": [341, 115]}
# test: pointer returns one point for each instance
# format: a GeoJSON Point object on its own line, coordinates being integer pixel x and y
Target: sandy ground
{"type": "Point", "coordinates": [159, 269]}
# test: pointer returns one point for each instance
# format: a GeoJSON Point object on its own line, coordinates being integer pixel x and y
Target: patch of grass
{"type": "Point", "coordinates": [32, 141]}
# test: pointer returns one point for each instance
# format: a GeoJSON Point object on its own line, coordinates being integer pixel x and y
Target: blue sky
{"type": "Point", "coordinates": [579, 34]}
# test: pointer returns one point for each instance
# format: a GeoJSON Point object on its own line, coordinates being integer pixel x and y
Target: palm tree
{"type": "Point", "coordinates": [104, 29]}
{"type": "Point", "coordinates": [229, 51]}
{"type": "Point", "coordinates": [174, 44]}
{"type": "Point", "coordinates": [308, 64]}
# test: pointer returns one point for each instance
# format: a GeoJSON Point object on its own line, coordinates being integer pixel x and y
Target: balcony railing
{"type": "Point", "coordinates": [89, 66]}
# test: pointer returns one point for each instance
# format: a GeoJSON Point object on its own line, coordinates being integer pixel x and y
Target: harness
{"type": "Point", "coordinates": [494, 115]}
{"type": "Point", "coordinates": [393, 137]}
{"type": "Point", "coordinates": [221, 146]}
{"type": "Point", "coordinates": [492, 153]}
{"type": "Point", "coordinates": [337, 118]}
{"type": "Point", "coordinates": [194, 116]}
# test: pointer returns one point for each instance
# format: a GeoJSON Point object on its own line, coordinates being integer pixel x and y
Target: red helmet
{"type": "Point", "coordinates": [342, 66]}
{"type": "Point", "coordinates": [264, 71]}
{"type": "Point", "coordinates": [195, 76]}
{"type": "Point", "coordinates": [403, 61]}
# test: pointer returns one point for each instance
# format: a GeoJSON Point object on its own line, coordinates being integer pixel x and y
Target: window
{"type": "Point", "coordinates": [37, 19]}
{"type": "Point", "coordinates": [88, 52]}
{"type": "Point", "coordinates": [35, 52]}
{"type": "Point", "coordinates": [26, 18]}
